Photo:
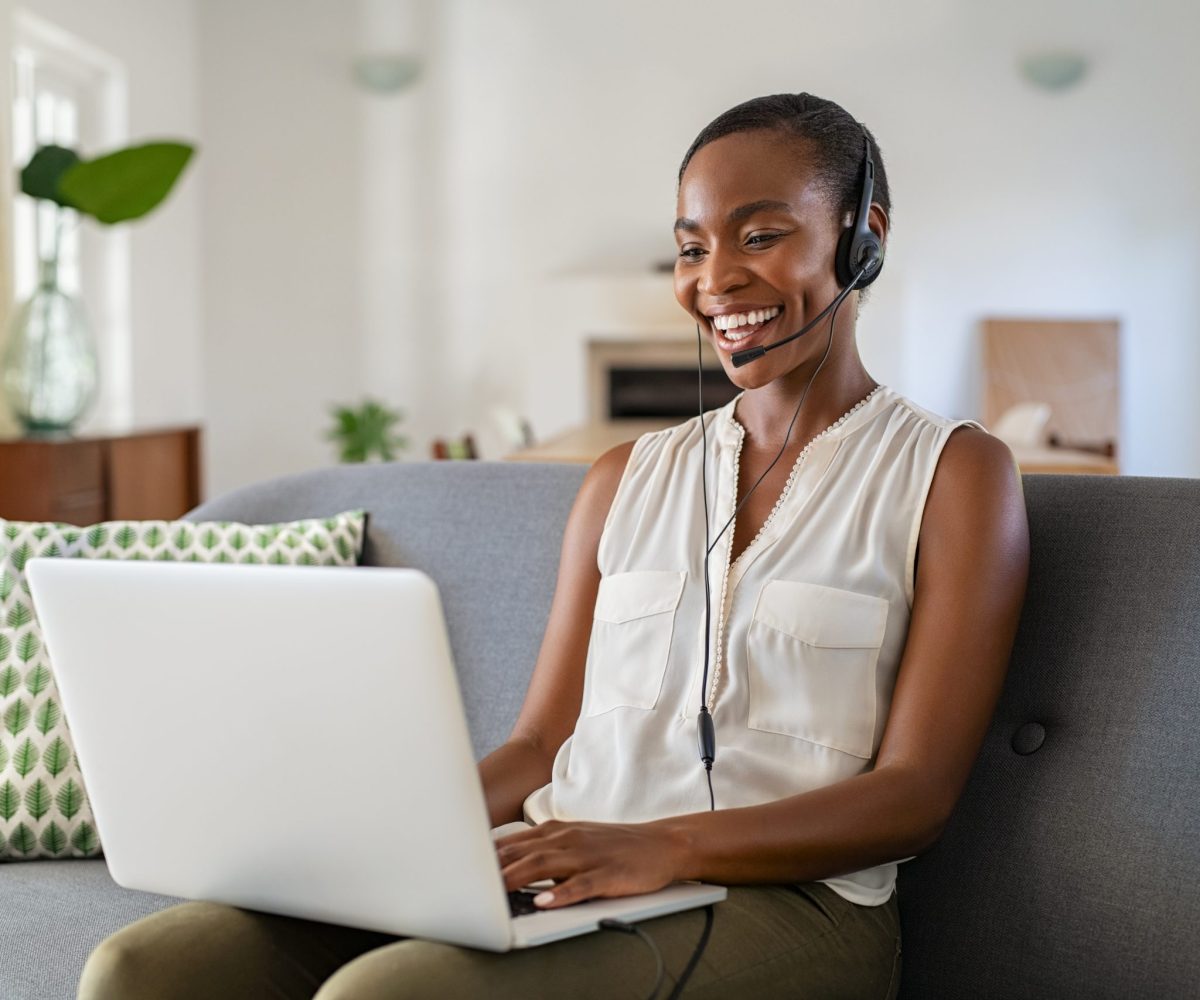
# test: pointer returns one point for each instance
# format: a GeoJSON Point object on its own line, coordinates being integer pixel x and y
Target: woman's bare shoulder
{"type": "Point", "coordinates": [599, 487]}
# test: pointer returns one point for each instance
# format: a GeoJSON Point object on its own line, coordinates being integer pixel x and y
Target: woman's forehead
{"type": "Point", "coordinates": [748, 168]}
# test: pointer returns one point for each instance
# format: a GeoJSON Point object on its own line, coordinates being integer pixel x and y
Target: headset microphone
{"type": "Point", "coordinates": [740, 358]}
{"type": "Point", "coordinates": [857, 261]}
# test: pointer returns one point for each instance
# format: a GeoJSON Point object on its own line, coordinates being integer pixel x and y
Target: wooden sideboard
{"type": "Point", "coordinates": [136, 475]}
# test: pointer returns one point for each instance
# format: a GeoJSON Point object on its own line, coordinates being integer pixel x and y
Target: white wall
{"type": "Point", "coordinates": [569, 122]}
{"type": "Point", "coordinates": [155, 40]}
{"type": "Point", "coordinates": [440, 247]}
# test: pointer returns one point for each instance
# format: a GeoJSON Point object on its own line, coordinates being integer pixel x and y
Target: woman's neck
{"type": "Point", "coordinates": [765, 412]}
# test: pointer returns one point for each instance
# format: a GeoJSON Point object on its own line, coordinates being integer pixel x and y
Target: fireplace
{"type": "Point", "coordinates": [652, 378]}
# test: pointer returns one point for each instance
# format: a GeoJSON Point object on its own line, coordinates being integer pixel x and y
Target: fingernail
{"type": "Point", "coordinates": [543, 899]}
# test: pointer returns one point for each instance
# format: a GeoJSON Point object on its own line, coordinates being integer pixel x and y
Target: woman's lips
{"type": "Point", "coordinates": [752, 340]}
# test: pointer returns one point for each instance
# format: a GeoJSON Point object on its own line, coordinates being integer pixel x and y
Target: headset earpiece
{"type": "Point", "coordinates": [858, 245]}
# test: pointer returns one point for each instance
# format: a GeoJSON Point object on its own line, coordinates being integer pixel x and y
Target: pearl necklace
{"type": "Point", "coordinates": [787, 489]}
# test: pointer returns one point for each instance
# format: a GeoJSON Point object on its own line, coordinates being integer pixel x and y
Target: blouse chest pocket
{"type": "Point", "coordinates": [811, 656]}
{"type": "Point", "coordinates": [631, 639]}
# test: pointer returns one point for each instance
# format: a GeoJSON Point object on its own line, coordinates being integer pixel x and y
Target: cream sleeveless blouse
{"type": "Point", "coordinates": [808, 623]}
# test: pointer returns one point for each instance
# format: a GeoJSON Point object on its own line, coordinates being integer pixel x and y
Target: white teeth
{"type": "Point", "coordinates": [735, 321]}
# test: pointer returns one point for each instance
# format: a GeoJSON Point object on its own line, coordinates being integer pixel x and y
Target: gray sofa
{"type": "Point", "coordinates": [1071, 868]}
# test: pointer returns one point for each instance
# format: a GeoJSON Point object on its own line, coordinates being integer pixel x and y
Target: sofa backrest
{"type": "Point", "coordinates": [489, 535]}
{"type": "Point", "coordinates": [1071, 867]}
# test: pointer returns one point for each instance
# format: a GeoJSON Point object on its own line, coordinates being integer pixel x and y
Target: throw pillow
{"type": "Point", "coordinates": [44, 809]}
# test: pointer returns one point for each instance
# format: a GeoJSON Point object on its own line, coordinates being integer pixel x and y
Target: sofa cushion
{"type": "Point", "coordinates": [55, 913]}
{"type": "Point", "coordinates": [44, 810]}
{"type": "Point", "coordinates": [1071, 866]}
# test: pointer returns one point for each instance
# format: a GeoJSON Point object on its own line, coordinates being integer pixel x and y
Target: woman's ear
{"type": "Point", "coordinates": [878, 222]}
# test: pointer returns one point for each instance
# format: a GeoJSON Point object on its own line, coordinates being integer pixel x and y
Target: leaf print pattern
{"type": "Point", "coordinates": [70, 798]}
{"type": "Point", "coordinates": [44, 808]}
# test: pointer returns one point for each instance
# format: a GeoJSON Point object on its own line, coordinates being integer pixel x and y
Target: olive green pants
{"type": "Point", "coordinates": [804, 942]}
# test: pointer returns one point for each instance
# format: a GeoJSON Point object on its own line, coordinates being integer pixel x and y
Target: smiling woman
{"type": "Point", "coordinates": [838, 661]}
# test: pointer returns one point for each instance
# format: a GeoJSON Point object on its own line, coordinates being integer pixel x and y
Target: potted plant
{"type": "Point", "coordinates": [366, 432]}
{"type": "Point", "coordinates": [49, 367]}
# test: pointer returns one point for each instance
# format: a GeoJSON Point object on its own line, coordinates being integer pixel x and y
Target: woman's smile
{"type": "Point", "coordinates": [742, 337]}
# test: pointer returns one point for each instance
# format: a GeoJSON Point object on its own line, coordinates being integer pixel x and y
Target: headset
{"type": "Point", "coordinates": [858, 261]}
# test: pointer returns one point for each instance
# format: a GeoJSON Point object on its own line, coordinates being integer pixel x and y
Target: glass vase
{"type": "Point", "coordinates": [49, 367]}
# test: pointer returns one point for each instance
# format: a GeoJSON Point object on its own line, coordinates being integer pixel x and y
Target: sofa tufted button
{"type": "Point", "coordinates": [1028, 738]}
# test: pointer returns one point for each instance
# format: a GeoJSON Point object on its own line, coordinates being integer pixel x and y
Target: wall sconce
{"type": "Point", "coordinates": [386, 72]}
{"type": "Point", "coordinates": [1053, 71]}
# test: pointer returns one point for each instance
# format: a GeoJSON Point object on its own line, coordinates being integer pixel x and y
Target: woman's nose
{"type": "Point", "coordinates": [720, 274]}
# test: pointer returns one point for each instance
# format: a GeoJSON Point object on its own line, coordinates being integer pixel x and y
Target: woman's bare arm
{"type": "Point", "coordinates": [522, 764]}
{"type": "Point", "coordinates": [970, 585]}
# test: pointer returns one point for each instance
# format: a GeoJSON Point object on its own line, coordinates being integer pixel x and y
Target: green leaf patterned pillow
{"type": "Point", "coordinates": [44, 809]}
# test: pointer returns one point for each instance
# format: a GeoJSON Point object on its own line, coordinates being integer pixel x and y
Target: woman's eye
{"type": "Point", "coordinates": [762, 236]}
{"type": "Point", "coordinates": [690, 253]}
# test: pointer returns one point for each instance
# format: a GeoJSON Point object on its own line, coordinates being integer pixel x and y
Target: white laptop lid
{"type": "Point", "coordinates": [240, 726]}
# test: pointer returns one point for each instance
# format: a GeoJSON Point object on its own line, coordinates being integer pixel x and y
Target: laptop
{"type": "Point", "coordinates": [289, 739]}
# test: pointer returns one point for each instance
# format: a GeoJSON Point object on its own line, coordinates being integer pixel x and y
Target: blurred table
{"type": "Point", "coordinates": [587, 443]}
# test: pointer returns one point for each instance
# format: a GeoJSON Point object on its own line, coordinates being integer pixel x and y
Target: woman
{"type": "Point", "coordinates": [861, 609]}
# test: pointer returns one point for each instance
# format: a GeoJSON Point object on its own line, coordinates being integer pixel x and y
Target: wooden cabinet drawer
{"type": "Point", "coordinates": [142, 476]}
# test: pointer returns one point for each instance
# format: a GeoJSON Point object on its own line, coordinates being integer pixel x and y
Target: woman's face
{"type": "Point", "coordinates": [756, 239]}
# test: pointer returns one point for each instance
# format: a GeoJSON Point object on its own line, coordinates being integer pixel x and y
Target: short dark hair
{"type": "Point", "coordinates": [831, 135]}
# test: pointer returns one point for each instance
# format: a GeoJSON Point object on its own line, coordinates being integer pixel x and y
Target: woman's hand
{"type": "Point", "coordinates": [589, 860]}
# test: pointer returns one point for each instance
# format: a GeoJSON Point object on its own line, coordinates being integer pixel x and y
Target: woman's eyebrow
{"type": "Point", "coordinates": [739, 214]}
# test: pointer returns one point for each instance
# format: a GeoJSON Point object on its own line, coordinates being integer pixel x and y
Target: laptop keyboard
{"type": "Point", "coordinates": [520, 902]}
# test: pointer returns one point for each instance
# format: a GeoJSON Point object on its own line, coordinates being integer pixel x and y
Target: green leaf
{"type": "Point", "coordinates": [22, 840]}
{"type": "Point", "coordinates": [51, 551]}
{"type": "Point", "coordinates": [126, 184]}
{"type": "Point", "coordinates": [19, 616]}
{"type": "Point", "coordinates": [3, 756]}
{"type": "Point", "coordinates": [343, 548]}
{"type": "Point", "coordinates": [277, 558]}
{"type": "Point", "coordinates": [71, 535]}
{"type": "Point", "coordinates": [210, 539]}
{"type": "Point", "coordinates": [11, 529]}
{"type": "Point", "coordinates": [10, 680]}
{"type": "Point", "coordinates": [56, 757]}
{"type": "Point", "coordinates": [126, 537]}
{"type": "Point", "coordinates": [47, 716]}
{"type": "Point", "coordinates": [42, 176]}
{"type": "Point", "coordinates": [17, 717]}
{"type": "Point", "coordinates": [10, 800]}
{"type": "Point", "coordinates": [54, 838]}
{"type": "Point", "coordinates": [41, 531]}
{"type": "Point", "coordinates": [25, 757]}
{"type": "Point", "coordinates": [19, 556]}
{"type": "Point", "coordinates": [7, 583]}
{"type": "Point", "coordinates": [37, 799]}
{"type": "Point", "coordinates": [84, 838]}
{"type": "Point", "coordinates": [249, 558]}
{"type": "Point", "coordinates": [38, 680]}
{"type": "Point", "coordinates": [69, 798]}
{"type": "Point", "coordinates": [154, 536]}
{"type": "Point", "coordinates": [28, 646]}
{"type": "Point", "coordinates": [305, 559]}
{"type": "Point", "coordinates": [97, 535]}
{"type": "Point", "coordinates": [237, 541]}
{"type": "Point", "coordinates": [183, 538]}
